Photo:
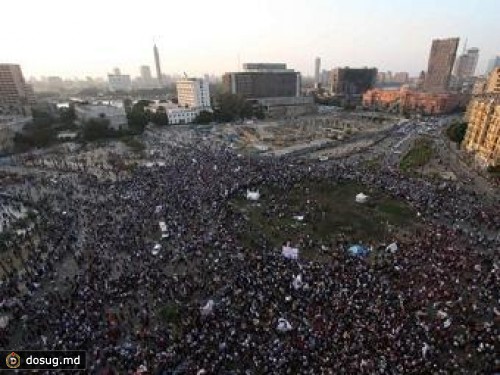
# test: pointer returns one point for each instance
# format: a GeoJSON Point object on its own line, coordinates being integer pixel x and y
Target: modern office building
{"type": "Point", "coordinates": [193, 93]}
{"type": "Point", "coordinates": [441, 60]}
{"type": "Point", "coordinates": [492, 64]}
{"type": "Point", "coordinates": [466, 63]}
{"type": "Point", "coordinates": [118, 81]}
{"type": "Point", "coordinates": [493, 83]}
{"type": "Point", "coordinates": [16, 96]}
{"type": "Point", "coordinates": [483, 130]}
{"type": "Point", "coordinates": [351, 83]}
{"type": "Point", "coordinates": [146, 73]}
{"type": "Point", "coordinates": [263, 80]}
{"type": "Point", "coordinates": [157, 65]}
{"type": "Point", "coordinates": [317, 67]}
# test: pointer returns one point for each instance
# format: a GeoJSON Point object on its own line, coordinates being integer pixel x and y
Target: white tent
{"type": "Point", "coordinates": [253, 195]}
{"type": "Point", "coordinates": [392, 248]}
{"type": "Point", "coordinates": [290, 252]}
{"type": "Point", "coordinates": [156, 249]}
{"type": "Point", "coordinates": [361, 198]}
{"type": "Point", "coordinates": [283, 325]}
{"type": "Point", "coordinates": [299, 217]}
{"type": "Point", "coordinates": [208, 308]}
{"type": "Point", "coordinates": [297, 282]}
{"type": "Point", "coordinates": [163, 226]}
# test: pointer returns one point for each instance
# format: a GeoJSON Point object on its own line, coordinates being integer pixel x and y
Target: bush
{"type": "Point", "coordinates": [456, 131]}
{"type": "Point", "coordinates": [95, 129]}
{"type": "Point", "coordinates": [205, 117]}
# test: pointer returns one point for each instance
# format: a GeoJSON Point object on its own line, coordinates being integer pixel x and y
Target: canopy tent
{"type": "Point", "coordinates": [358, 250]}
{"type": "Point", "coordinates": [156, 249]}
{"type": "Point", "coordinates": [392, 248]}
{"type": "Point", "coordinates": [283, 325]}
{"type": "Point", "coordinates": [361, 198]}
{"type": "Point", "coordinates": [253, 195]}
{"type": "Point", "coordinates": [290, 252]}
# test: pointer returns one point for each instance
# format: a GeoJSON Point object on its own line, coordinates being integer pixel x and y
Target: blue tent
{"type": "Point", "coordinates": [358, 250]}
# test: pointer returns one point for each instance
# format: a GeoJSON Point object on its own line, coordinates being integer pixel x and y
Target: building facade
{"type": "Point", "coordinates": [483, 130]}
{"type": "Point", "coordinates": [401, 101]}
{"type": "Point", "coordinates": [119, 82]}
{"type": "Point", "coordinates": [351, 83]}
{"type": "Point", "coordinates": [287, 107]}
{"type": "Point", "coordinates": [466, 63]}
{"type": "Point", "coordinates": [16, 96]}
{"type": "Point", "coordinates": [317, 67]}
{"type": "Point", "coordinates": [441, 60]}
{"type": "Point", "coordinates": [493, 84]}
{"type": "Point", "coordinates": [193, 93]}
{"type": "Point", "coordinates": [116, 115]}
{"type": "Point", "coordinates": [263, 80]}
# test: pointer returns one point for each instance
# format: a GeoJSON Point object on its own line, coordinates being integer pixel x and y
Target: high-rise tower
{"type": "Point", "coordinates": [157, 63]}
{"type": "Point", "coordinates": [441, 60]}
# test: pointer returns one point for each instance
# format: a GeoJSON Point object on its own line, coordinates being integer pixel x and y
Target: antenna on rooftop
{"type": "Point", "coordinates": [465, 45]}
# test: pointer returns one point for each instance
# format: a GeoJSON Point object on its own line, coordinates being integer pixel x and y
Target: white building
{"type": "Point", "coordinates": [116, 115]}
{"type": "Point", "coordinates": [176, 114]}
{"type": "Point", "coordinates": [193, 93]}
{"type": "Point", "coordinates": [119, 82]}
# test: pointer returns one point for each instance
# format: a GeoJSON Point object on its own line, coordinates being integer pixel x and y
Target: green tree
{"type": "Point", "coordinates": [67, 115]}
{"type": "Point", "coordinates": [456, 131]}
{"type": "Point", "coordinates": [159, 118]}
{"type": "Point", "coordinates": [231, 107]}
{"type": "Point", "coordinates": [204, 117]}
{"type": "Point", "coordinates": [95, 129]}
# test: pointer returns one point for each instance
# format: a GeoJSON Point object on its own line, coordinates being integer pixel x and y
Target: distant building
{"type": "Point", "coordinates": [351, 83]}
{"type": "Point", "coordinates": [193, 93]}
{"type": "Point", "coordinates": [441, 60]}
{"type": "Point", "coordinates": [176, 114]}
{"type": "Point", "coordinates": [119, 82]}
{"type": "Point", "coordinates": [146, 73]}
{"type": "Point", "coordinates": [157, 65]}
{"type": "Point", "coordinates": [403, 100]}
{"type": "Point", "coordinates": [287, 107]}
{"type": "Point", "coordinates": [317, 67]}
{"type": "Point", "coordinates": [492, 64]}
{"type": "Point", "coordinates": [263, 80]}
{"type": "Point", "coordinates": [466, 63]}
{"type": "Point", "coordinates": [493, 84]}
{"type": "Point", "coordinates": [401, 77]}
{"type": "Point", "coordinates": [16, 96]}
{"type": "Point", "coordinates": [116, 115]}
{"type": "Point", "coordinates": [479, 87]}
{"type": "Point", "coordinates": [483, 130]}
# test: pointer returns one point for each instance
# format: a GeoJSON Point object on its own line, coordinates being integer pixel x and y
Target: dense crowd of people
{"type": "Point", "coordinates": [207, 303]}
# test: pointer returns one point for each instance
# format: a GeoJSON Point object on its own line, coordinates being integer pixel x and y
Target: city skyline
{"type": "Point", "coordinates": [390, 37]}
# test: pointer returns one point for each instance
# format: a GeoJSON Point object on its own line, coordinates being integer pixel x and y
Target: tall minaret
{"type": "Point", "coordinates": [157, 63]}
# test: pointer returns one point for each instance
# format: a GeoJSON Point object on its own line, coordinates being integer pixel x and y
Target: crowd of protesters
{"type": "Point", "coordinates": [99, 274]}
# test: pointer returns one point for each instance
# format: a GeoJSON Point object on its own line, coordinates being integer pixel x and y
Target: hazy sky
{"type": "Point", "coordinates": [90, 37]}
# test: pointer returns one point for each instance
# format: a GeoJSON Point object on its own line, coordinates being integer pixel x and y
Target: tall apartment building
{"type": "Point", "coordinates": [493, 84]}
{"type": "Point", "coordinates": [317, 67]}
{"type": "Point", "coordinates": [466, 63]}
{"type": "Point", "coordinates": [350, 82]}
{"type": "Point", "coordinates": [16, 97]}
{"type": "Point", "coordinates": [193, 93]}
{"type": "Point", "coordinates": [483, 132]}
{"type": "Point", "coordinates": [263, 80]}
{"type": "Point", "coordinates": [441, 60]}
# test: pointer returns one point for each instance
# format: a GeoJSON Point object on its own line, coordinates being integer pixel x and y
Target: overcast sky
{"type": "Point", "coordinates": [91, 37]}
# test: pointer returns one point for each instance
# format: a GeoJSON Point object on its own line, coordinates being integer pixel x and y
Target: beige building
{"type": "Point", "coordinates": [16, 97]}
{"type": "Point", "coordinates": [483, 131]}
{"type": "Point", "coordinates": [193, 93]}
{"type": "Point", "coordinates": [493, 85]}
